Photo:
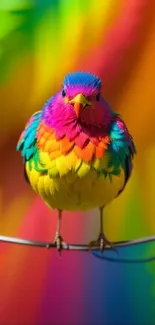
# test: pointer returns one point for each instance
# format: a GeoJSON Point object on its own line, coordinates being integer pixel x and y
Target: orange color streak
{"type": "Point", "coordinates": [55, 154]}
{"type": "Point", "coordinates": [86, 153]}
{"type": "Point", "coordinates": [104, 142]}
{"type": "Point", "coordinates": [47, 143]}
{"type": "Point", "coordinates": [66, 146]}
{"type": "Point", "coordinates": [99, 152]}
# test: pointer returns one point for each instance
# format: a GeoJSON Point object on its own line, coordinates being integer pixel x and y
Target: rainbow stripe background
{"type": "Point", "coordinates": [41, 41]}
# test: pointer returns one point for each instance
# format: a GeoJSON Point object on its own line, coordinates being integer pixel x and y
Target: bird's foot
{"type": "Point", "coordinates": [58, 242]}
{"type": "Point", "coordinates": [102, 242]}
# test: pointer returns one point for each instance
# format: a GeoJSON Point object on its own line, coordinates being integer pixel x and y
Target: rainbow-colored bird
{"type": "Point", "coordinates": [77, 152]}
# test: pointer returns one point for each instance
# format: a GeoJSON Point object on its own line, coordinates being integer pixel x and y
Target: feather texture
{"type": "Point", "coordinates": [74, 165]}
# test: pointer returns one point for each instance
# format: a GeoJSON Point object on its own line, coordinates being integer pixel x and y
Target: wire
{"type": "Point", "coordinates": [83, 247]}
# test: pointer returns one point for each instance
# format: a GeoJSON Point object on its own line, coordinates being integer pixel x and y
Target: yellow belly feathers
{"type": "Point", "coordinates": [72, 192]}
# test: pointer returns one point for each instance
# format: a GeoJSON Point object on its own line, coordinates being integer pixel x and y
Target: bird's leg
{"type": "Point", "coordinates": [102, 238]}
{"type": "Point", "coordinates": [58, 239]}
{"type": "Point", "coordinates": [101, 241]}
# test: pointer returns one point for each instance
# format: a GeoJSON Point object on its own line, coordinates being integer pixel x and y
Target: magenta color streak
{"type": "Point", "coordinates": [64, 295]}
{"type": "Point", "coordinates": [62, 118]}
{"type": "Point", "coordinates": [121, 125]}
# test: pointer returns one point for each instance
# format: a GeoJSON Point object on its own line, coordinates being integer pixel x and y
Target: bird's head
{"type": "Point", "coordinates": [82, 91]}
{"type": "Point", "coordinates": [80, 102]}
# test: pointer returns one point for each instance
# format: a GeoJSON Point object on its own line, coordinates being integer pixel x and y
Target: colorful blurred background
{"type": "Point", "coordinates": [41, 40]}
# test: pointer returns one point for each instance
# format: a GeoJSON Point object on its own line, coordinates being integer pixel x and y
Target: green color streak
{"type": "Point", "coordinates": [18, 27]}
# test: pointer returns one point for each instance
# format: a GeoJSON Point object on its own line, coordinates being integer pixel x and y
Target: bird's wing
{"type": "Point", "coordinates": [122, 149]}
{"type": "Point", "coordinates": [27, 141]}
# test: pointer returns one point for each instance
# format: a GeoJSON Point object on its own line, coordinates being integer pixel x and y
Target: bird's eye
{"type": "Point", "coordinates": [98, 97]}
{"type": "Point", "coordinates": [63, 93]}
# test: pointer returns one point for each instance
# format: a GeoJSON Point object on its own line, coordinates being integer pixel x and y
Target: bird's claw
{"type": "Point", "coordinates": [102, 242]}
{"type": "Point", "coordinates": [58, 242]}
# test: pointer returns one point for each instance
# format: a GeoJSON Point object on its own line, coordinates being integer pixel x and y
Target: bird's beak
{"type": "Point", "coordinates": [79, 102]}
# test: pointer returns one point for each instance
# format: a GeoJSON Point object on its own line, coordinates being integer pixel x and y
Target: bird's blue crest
{"type": "Point", "coordinates": [80, 78]}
